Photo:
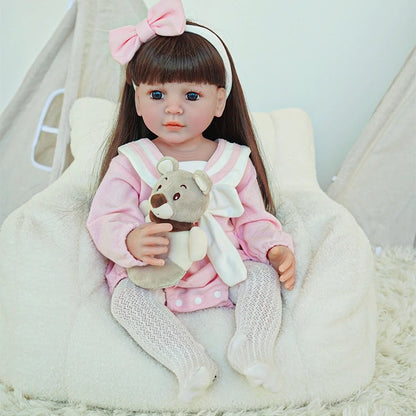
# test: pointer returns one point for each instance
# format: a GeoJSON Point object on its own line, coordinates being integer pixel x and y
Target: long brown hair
{"type": "Point", "coordinates": [186, 58]}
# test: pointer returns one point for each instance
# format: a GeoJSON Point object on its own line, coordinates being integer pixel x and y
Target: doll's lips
{"type": "Point", "coordinates": [173, 125]}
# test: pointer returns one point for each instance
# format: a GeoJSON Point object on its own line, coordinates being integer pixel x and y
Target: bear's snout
{"type": "Point", "coordinates": [157, 200]}
{"type": "Point", "coordinates": [160, 206]}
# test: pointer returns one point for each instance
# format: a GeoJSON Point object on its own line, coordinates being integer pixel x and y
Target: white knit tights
{"type": "Point", "coordinates": [162, 335]}
{"type": "Point", "coordinates": [258, 315]}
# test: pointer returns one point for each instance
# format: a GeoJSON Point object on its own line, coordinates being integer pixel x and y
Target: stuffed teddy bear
{"type": "Point", "coordinates": [180, 198]}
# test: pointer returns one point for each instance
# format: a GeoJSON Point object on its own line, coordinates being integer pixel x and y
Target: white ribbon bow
{"type": "Point", "coordinates": [224, 202]}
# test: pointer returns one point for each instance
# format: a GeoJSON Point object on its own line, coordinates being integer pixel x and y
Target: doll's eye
{"type": "Point", "coordinates": [176, 196]}
{"type": "Point", "coordinates": [158, 187]}
{"type": "Point", "coordinates": [192, 96]}
{"type": "Point", "coordinates": [156, 95]}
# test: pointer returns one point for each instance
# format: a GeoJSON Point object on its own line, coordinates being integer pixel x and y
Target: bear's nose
{"type": "Point", "coordinates": [157, 200]}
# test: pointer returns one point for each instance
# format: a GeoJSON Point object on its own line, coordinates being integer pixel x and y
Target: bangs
{"type": "Point", "coordinates": [184, 58]}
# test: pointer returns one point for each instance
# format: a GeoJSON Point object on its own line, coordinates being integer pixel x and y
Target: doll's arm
{"type": "Point", "coordinates": [147, 241]}
{"type": "Point", "coordinates": [114, 214]}
{"type": "Point", "coordinates": [283, 261]}
{"type": "Point", "coordinates": [257, 230]}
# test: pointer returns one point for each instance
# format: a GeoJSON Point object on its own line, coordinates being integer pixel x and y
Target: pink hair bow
{"type": "Point", "coordinates": [166, 18]}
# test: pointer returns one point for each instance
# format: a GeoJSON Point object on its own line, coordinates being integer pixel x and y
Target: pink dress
{"type": "Point", "coordinates": [115, 212]}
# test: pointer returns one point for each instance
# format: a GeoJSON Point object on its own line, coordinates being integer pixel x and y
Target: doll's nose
{"type": "Point", "coordinates": [173, 107]}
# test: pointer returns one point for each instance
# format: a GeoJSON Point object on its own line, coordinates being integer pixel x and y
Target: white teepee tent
{"type": "Point", "coordinates": [76, 62]}
{"type": "Point", "coordinates": [377, 181]}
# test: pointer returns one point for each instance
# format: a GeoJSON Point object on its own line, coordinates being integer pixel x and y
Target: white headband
{"type": "Point", "coordinates": [215, 41]}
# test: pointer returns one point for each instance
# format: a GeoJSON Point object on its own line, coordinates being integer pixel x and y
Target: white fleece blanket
{"type": "Point", "coordinates": [59, 341]}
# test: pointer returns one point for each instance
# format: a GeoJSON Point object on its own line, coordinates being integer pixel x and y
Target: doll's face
{"type": "Point", "coordinates": [179, 112]}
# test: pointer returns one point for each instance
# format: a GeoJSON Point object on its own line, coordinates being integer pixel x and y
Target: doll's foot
{"type": "Point", "coordinates": [196, 384]}
{"type": "Point", "coordinates": [258, 373]}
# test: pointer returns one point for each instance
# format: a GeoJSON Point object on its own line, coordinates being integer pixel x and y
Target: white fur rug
{"type": "Point", "coordinates": [391, 393]}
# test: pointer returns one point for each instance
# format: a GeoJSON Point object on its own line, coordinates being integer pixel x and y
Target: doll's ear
{"type": "Point", "coordinates": [203, 181]}
{"type": "Point", "coordinates": [167, 164]}
{"type": "Point", "coordinates": [221, 101]}
{"type": "Point", "coordinates": [137, 105]}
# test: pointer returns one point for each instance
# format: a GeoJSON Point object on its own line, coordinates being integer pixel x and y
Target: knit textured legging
{"type": "Point", "coordinates": [163, 336]}
{"type": "Point", "coordinates": [258, 315]}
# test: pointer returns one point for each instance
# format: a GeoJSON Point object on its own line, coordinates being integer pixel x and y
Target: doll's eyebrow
{"type": "Point", "coordinates": [184, 186]}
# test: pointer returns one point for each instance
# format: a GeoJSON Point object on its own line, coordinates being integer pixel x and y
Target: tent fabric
{"type": "Point", "coordinates": [377, 181]}
{"type": "Point", "coordinates": [19, 179]}
{"type": "Point", "coordinates": [76, 62]}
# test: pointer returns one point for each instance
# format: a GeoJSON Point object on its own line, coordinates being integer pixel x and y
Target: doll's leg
{"type": "Point", "coordinates": [258, 317]}
{"type": "Point", "coordinates": [163, 336]}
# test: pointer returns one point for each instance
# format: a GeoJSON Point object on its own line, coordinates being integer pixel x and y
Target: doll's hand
{"type": "Point", "coordinates": [283, 260]}
{"type": "Point", "coordinates": [147, 241]}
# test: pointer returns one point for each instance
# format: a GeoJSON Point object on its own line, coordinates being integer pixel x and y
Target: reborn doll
{"type": "Point", "coordinates": [182, 98]}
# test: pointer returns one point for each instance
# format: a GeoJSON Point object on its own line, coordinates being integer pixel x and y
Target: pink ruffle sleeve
{"type": "Point", "coordinates": [257, 230]}
{"type": "Point", "coordinates": [115, 212]}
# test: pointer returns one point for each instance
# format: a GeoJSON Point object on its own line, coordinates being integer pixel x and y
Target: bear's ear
{"type": "Point", "coordinates": [167, 164]}
{"type": "Point", "coordinates": [203, 181]}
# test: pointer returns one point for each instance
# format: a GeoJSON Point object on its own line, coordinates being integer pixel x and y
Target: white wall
{"type": "Point", "coordinates": [334, 59]}
{"type": "Point", "coordinates": [25, 27]}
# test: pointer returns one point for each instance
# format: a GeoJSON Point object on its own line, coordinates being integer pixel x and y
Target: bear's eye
{"type": "Point", "coordinates": [176, 196]}
{"type": "Point", "coordinates": [158, 187]}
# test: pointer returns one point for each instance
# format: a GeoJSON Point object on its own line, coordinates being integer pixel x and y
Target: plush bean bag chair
{"type": "Point", "coordinates": [59, 341]}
